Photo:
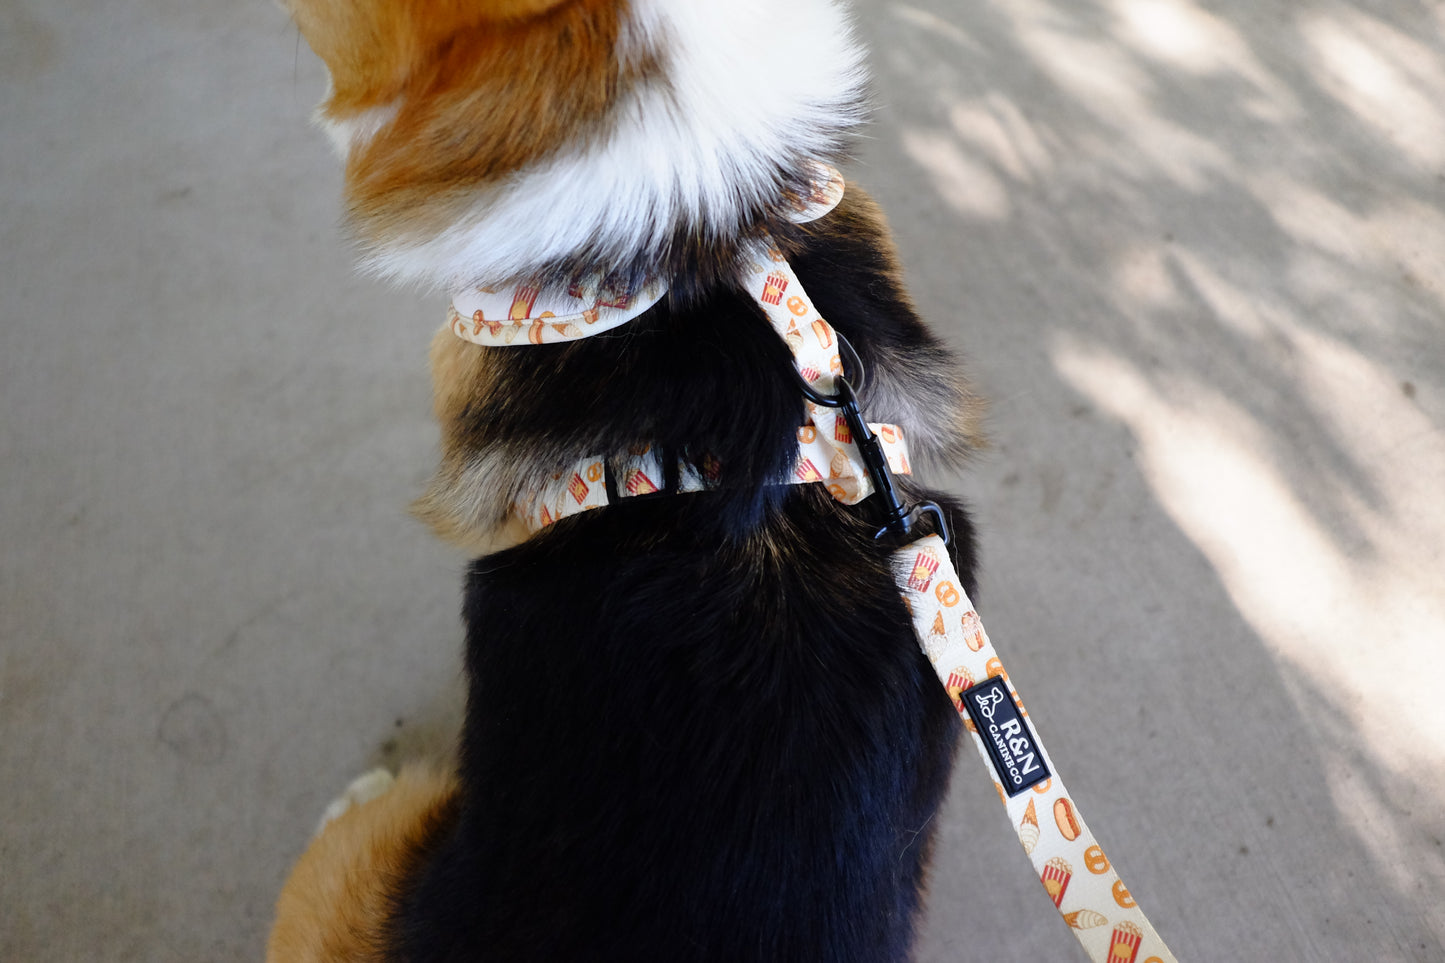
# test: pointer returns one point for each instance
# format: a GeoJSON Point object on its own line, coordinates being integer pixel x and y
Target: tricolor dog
{"type": "Point", "coordinates": [699, 725]}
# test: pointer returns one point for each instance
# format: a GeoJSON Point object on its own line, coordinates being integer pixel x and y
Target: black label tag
{"type": "Point", "coordinates": [1011, 744]}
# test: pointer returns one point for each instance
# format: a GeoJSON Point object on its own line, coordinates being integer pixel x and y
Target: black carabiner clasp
{"type": "Point", "coordinates": [898, 518]}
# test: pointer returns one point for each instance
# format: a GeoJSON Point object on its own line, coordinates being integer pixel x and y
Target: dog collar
{"type": "Point", "coordinates": [501, 315]}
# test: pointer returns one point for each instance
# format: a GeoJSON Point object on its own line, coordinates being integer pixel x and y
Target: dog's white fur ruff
{"type": "Point", "coordinates": [697, 151]}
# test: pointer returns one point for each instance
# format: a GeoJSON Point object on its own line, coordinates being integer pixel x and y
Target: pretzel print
{"type": "Point", "coordinates": [1079, 879]}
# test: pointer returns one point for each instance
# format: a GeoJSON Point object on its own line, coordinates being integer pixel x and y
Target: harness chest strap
{"type": "Point", "coordinates": [1076, 874]}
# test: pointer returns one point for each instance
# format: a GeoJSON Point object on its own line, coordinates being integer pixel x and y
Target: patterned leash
{"type": "Point", "coordinates": [1078, 877]}
{"type": "Point", "coordinates": [1094, 903]}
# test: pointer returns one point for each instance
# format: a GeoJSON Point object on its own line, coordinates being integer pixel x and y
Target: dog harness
{"type": "Point", "coordinates": [854, 459]}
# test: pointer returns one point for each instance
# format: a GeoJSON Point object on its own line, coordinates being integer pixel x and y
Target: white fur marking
{"type": "Point", "coordinates": [356, 131]}
{"type": "Point", "coordinates": [363, 789]}
{"type": "Point", "coordinates": [751, 84]}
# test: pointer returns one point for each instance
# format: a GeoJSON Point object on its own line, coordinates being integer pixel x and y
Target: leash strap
{"type": "Point", "coordinates": [1076, 874]}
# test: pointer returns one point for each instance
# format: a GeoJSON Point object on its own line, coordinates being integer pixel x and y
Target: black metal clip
{"type": "Point", "coordinates": [898, 518]}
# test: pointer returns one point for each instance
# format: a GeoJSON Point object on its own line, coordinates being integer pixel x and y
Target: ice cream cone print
{"type": "Point", "coordinates": [1085, 919]}
{"type": "Point", "coordinates": [1029, 829]}
{"type": "Point", "coordinates": [838, 467]}
{"type": "Point", "coordinates": [1124, 943]}
{"type": "Point", "coordinates": [795, 342]}
{"type": "Point", "coordinates": [1056, 875]}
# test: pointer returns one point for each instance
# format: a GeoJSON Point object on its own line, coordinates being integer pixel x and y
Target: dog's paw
{"type": "Point", "coordinates": [363, 789]}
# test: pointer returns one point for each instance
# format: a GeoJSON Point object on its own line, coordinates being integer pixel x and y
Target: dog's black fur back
{"type": "Point", "coordinates": [699, 727]}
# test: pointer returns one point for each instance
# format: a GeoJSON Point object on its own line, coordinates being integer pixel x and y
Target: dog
{"type": "Point", "coordinates": [699, 725]}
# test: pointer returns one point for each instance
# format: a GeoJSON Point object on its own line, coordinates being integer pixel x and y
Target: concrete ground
{"type": "Point", "coordinates": [1195, 254]}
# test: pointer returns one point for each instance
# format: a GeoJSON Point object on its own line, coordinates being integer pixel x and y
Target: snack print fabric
{"type": "Point", "coordinates": [827, 453]}
{"type": "Point", "coordinates": [578, 489]}
{"type": "Point", "coordinates": [523, 314]}
{"type": "Point", "coordinates": [1073, 869]}
{"type": "Point", "coordinates": [827, 450]}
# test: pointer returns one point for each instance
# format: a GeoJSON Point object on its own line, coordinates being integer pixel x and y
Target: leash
{"type": "Point", "coordinates": [861, 459]}
{"type": "Point", "coordinates": [1080, 880]}
{"type": "Point", "coordinates": [1095, 903]}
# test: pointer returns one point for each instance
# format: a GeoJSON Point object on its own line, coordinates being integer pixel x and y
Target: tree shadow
{"type": "Point", "coordinates": [1197, 258]}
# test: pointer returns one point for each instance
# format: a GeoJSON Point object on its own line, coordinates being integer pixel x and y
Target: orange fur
{"type": "Point", "coordinates": [337, 900]}
{"type": "Point", "coordinates": [371, 47]}
{"type": "Point", "coordinates": [480, 91]}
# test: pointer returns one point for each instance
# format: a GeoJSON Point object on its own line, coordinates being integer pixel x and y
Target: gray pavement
{"type": "Point", "coordinates": [1195, 255]}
